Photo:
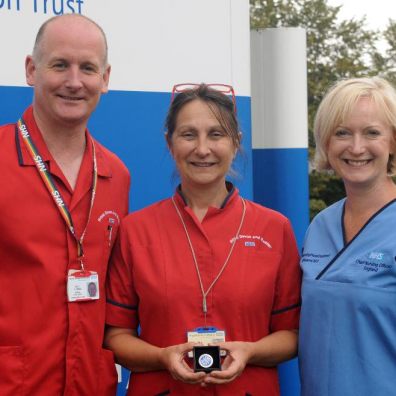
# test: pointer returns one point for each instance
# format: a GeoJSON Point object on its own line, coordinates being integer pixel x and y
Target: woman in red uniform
{"type": "Point", "coordinates": [205, 266]}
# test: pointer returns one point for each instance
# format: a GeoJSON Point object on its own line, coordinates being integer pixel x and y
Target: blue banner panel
{"type": "Point", "coordinates": [131, 124]}
{"type": "Point", "coordinates": [289, 378]}
{"type": "Point", "coordinates": [281, 183]}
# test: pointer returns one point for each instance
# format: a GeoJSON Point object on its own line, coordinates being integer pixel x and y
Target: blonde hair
{"type": "Point", "coordinates": [337, 104]}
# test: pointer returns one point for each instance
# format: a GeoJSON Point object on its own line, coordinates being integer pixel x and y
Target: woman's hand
{"type": "Point", "coordinates": [238, 355]}
{"type": "Point", "coordinates": [173, 359]}
{"type": "Point", "coordinates": [266, 352]}
{"type": "Point", "coordinates": [140, 356]}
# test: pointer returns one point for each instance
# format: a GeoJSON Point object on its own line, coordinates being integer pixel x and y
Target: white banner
{"type": "Point", "coordinates": [152, 44]}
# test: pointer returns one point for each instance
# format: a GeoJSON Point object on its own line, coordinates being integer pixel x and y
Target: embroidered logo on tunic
{"type": "Point", "coordinates": [111, 215]}
{"type": "Point", "coordinates": [251, 240]}
{"type": "Point", "coordinates": [374, 262]}
{"type": "Point", "coordinates": [314, 257]}
{"type": "Point", "coordinates": [376, 256]}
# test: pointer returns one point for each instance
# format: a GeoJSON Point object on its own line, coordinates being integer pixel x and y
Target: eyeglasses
{"type": "Point", "coordinates": [223, 88]}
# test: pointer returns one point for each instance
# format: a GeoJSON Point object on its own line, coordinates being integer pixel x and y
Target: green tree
{"type": "Point", "coordinates": [387, 63]}
{"type": "Point", "coordinates": [335, 49]}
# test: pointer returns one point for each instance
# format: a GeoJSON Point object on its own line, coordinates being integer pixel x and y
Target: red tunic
{"type": "Point", "coordinates": [153, 282]}
{"type": "Point", "coordinates": [47, 345]}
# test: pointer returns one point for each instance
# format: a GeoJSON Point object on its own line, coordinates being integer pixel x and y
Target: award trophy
{"type": "Point", "coordinates": [206, 358]}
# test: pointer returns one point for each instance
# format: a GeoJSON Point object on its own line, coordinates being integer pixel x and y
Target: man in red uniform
{"type": "Point", "coordinates": [62, 197]}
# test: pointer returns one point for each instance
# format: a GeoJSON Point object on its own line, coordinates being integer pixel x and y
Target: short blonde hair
{"type": "Point", "coordinates": [337, 104]}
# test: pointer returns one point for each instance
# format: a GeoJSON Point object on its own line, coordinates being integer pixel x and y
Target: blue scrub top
{"type": "Point", "coordinates": [347, 343]}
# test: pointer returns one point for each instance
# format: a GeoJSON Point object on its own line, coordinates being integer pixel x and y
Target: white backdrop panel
{"type": "Point", "coordinates": [152, 44]}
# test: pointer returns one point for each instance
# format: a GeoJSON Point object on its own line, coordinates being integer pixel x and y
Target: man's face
{"type": "Point", "coordinates": [68, 73]}
{"type": "Point", "coordinates": [92, 289]}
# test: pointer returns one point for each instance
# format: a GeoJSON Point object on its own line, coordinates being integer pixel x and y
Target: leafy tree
{"type": "Point", "coordinates": [387, 63]}
{"type": "Point", "coordinates": [335, 49]}
{"type": "Point", "coordinates": [321, 195]}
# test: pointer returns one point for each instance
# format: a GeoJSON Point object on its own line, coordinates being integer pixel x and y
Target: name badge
{"type": "Point", "coordinates": [82, 286]}
{"type": "Point", "coordinates": [206, 336]}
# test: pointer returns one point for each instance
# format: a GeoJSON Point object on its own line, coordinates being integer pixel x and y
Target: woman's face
{"type": "Point", "coordinates": [359, 148]}
{"type": "Point", "coordinates": [201, 148]}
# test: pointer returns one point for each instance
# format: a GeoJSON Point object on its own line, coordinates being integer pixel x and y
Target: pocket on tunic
{"type": "Point", "coordinates": [107, 374]}
{"type": "Point", "coordinates": [12, 367]}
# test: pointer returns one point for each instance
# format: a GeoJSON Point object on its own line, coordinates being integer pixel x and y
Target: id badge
{"type": "Point", "coordinates": [82, 285]}
{"type": "Point", "coordinates": [206, 336]}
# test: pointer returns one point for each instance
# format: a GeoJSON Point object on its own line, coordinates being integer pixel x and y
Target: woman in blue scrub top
{"type": "Point", "coordinates": [348, 318]}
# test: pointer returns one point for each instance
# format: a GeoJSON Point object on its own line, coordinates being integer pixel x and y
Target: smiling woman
{"type": "Point", "coordinates": [349, 283]}
{"type": "Point", "coordinates": [360, 148]}
{"type": "Point", "coordinates": [203, 139]}
{"type": "Point", "coordinates": [182, 266]}
{"type": "Point", "coordinates": [202, 150]}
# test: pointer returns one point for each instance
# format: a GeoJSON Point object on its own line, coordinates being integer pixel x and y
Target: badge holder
{"type": "Point", "coordinates": [206, 358]}
{"type": "Point", "coordinates": [206, 336]}
{"type": "Point", "coordinates": [82, 285]}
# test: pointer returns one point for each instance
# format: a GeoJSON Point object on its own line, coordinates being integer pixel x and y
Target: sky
{"type": "Point", "coordinates": [377, 12]}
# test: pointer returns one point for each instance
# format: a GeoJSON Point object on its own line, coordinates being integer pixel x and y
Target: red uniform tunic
{"type": "Point", "coordinates": [47, 345]}
{"type": "Point", "coordinates": [153, 282]}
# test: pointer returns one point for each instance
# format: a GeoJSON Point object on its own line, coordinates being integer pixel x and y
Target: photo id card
{"type": "Point", "coordinates": [82, 285]}
{"type": "Point", "coordinates": [206, 336]}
